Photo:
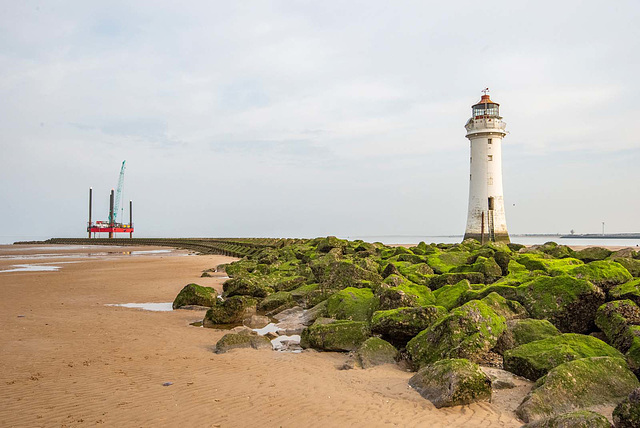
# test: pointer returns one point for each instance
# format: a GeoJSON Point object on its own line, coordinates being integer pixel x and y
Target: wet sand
{"type": "Point", "coordinates": [66, 359]}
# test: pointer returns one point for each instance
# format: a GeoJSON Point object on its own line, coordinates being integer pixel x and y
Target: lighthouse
{"type": "Point", "coordinates": [486, 220]}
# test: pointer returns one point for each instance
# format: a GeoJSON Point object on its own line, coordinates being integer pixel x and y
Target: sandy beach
{"type": "Point", "coordinates": [67, 359]}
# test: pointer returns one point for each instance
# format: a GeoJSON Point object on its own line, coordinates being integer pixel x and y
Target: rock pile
{"type": "Point", "coordinates": [446, 308]}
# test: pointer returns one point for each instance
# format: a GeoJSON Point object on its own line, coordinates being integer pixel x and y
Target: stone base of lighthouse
{"type": "Point", "coordinates": [497, 237]}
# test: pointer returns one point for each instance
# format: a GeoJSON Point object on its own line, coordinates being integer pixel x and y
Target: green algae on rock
{"type": "Point", "coordinates": [627, 413]}
{"type": "Point", "coordinates": [356, 304]}
{"type": "Point", "coordinates": [276, 302]}
{"type": "Point", "coordinates": [375, 351]}
{"type": "Point", "coordinates": [604, 274]}
{"type": "Point", "coordinates": [335, 335]}
{"type": "Point", "coordinates": [241, 340]}
{"type": "Point", "coordinates": [448, 296]}
{"type": "Point", "coordinates": [569, 303]}
{"type": "Point", "coordinates": [578, 384]}
{"type": "Point", "coordinates": [469, 331]}
{"type": "Point", "coordinates": [452, 382]}
{"type": "Point", "coordinates": [397, 292]}
{"type": "Point", "coordinates": [629, 290]}
{"type": "Point", "coordinates": [521, 331]}
{"type": "Point", "coordinates": [230, 311]}
{"type": "Point", "coordinates": [401, 325]}
{"type": "Point", "coordinates": [196, 295]}
{"type": "Point", "coordinates": [615, 318]}
{"type": "Point", "coordinates": [593, 254]}
{"type": "Point", "coordinates": [577, 419]}
{"type": "Point", "coordinates": [509, 309]}
{"type": "Point", "coordinates": [534, 359]}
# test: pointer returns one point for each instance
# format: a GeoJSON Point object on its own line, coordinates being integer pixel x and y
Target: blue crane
{"type": "Point", "coordinates": [116, 207]}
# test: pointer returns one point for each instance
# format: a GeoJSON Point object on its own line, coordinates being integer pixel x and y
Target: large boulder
{"type": "Point", "coordinates": [443, 262]}
{"type": "Point", "coordinates": [356, 304]}
{"type": "Point", "coordinates": [448, 296]}
{"type": "Point", "coordinates": [343, 273]}
{"type": "Point", "coordinates": [604, 274]}
{"type": "Point", "coordinates": [452, 382]}
{"type": "Point", "coordinates": [521, 331]}
{"type": "Point", "coordinates": [241, 340]}
{"type": "Point", "coordinates": [577, 419]}
{"type": "Point", "coordinates": [469, 331]}
{"type": "Point", "coordinates": [569, 303]}
{"type": "Point", "coordinates": [438, 281]}
{"type": "Point", "coordinates": [420, 273]}
{"type": "Point", "coordinates": [195, 295]}
{"type": "Point", "coordinates": [509, 309]}
{"type": "Point", "coordinates": [547, 264]}
{"type": "Point", "coordinates": [400, 325]}
{"type": "Point", "coordinates": [627, 413]}
{"type": "Point", "coordinates": [277, 302]}
{"type": "Point", "coordinates": [592, 254]}
{"type": "Point", "coordinates": [579, 384]}
{"type": "Point", "coordinates": [248, 285]}
{"type": "Point", "coordinates": [398, 292]}
{"type": "Point", "coordinates": [615, 318]}
{"type": "Point", "coordinates": [230, 311]}
{"type": "Point", "coordinates": [534, 359]}
{"type": "Point", "coordinates": [629, 290]}
{"type": "Point", "coordinates": [630, 264]}
{"type": "Point", "coordinates": [335, 336]}
{"type": "Point", "coordinates": [375, 351]}
{"type": "Point", "coordinates": [309, 295]}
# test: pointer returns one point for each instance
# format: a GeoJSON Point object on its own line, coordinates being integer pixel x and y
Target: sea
{"type": "Point", "coordinates": [445, 239]}
{"type": "Point", "coordinates": [518, 239]}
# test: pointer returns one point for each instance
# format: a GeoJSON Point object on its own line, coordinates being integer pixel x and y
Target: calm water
{"type": "Point", "coordinates": [526, 240]}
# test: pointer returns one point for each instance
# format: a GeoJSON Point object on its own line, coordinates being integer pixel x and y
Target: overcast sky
{"type": "Point", "coordinates": [300, 118]}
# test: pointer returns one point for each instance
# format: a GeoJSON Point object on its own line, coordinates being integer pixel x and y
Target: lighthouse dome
{"type": "Point", "coordinates": [486, 108]}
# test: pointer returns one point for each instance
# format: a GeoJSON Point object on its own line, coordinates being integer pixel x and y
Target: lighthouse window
{"type": "Point", "coordinates": [490, 142]}
{"type": "Point", "coordinates": [490, 157]}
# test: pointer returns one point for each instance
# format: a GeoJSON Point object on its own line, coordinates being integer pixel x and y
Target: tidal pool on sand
{"type": "Point", "coordinates": [156, 307]}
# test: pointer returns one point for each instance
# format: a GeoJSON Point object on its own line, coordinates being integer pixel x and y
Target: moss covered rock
{"type": "Point", "coordinates": [252, 286]}
{"type": "Point", "coordinates": [344, 273]}
{"type": "Point", "coordinates": [309, 295]}
{"type": "Point", "coordinates": [592, 254]}
{"type": "Point", "coordinates": [629, 290]}
{"type": "Point", "coordinates": [632, 265]}
{"type": "Point", "coordinates": [400, 325]}
{"type": "Point", "coordinates": [509, 309]}
{"type": "Point", "coordinates": [397, 292]}
{"type": "Point", "coordinates": [375, 351]}
{"type": "Point", "coordinates": [438, 281]}
{"type": "Point", "coordinates": [615, 318]}
{"type": "Point", "coordinates": [569, 303]}
{"type": "Point", "coordinates": [452, 382]}
{"type": "Point", "coordinates": [521, 331]}
{"type": "Point", "coordinates": [547, 264]}
{"type": "Point", "coordinates": [449, 295]}
{"type": "Point", "coordinates": [277, 302]}
{"type": "Point", "coordinates": [356, 304]}
{"type": "Point", "coordinates": [335, 336]}
{"type": "Point", "coordinates": [241, 340]}
{"type": "Point", "coordinates": [196, 295]}
{"type": "Point", "coordinates": [604, 274]}
{"type": "Point", "coordinates": [469, 331]}
{"type": "Point", "coordinates": [443, 262]}
{"type": "Point", "coordinates": [230, 311]}
{"type": "Point", "coordinates": [420, 273]}
{"type": "Point", "coordinates": [578, 384]}
{"type": "Point", "coordinates": [577, 419]}
{"type": "Point", "coordinates": [534, 359]}
{"type": "Point", "coordinates": [627, 413]}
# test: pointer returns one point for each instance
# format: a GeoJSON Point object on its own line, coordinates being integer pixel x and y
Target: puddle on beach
{"type": "Point", "coordinates": [33, 268]}
{"type": "Point", "coordinates": [155, 307]}
{"type": "Point", "coordinates": [87, 255]}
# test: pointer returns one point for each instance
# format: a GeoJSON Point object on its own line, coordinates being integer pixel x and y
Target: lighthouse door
{"type": "Point", "coordinates": [492, 233]}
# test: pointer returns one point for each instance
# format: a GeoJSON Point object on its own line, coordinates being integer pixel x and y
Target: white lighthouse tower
{"type": "Point", "coordinates": [486, 219]}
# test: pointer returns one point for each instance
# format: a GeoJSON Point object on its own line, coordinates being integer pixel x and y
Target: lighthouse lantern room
{"type": "Point", "coordinates": [486, 219]}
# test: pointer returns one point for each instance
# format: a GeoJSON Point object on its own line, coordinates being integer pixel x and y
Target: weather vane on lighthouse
{"type": "Point", "coordinates": [486, 219]}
